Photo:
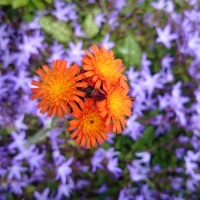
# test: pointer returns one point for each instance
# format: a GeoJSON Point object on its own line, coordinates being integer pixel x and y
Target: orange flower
{"type": "Point", "coordinates": [103, 69]}
{"type": "Point", "coordinates": [58, 88]}
{"type": "Point", "coordinates": [89, 125]}
{"type": "Point", "coordinates": [115, 108]}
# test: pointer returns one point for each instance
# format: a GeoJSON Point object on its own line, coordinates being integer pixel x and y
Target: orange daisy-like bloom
{"type": "Point", "coordinates": [58, 88]}
{"type": "Point", "coordinates": [115, 108]}
{"type": "Point", "coordinates": [103, 69]}
{"type": "Point", "coordinates": [89, 126]}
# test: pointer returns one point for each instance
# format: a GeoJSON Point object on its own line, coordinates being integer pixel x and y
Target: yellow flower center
{"type": "Point", "coordinates": [117, 104]}
{"type": "Point", "coordinates": [106, 66]}
{"type": "Point", "coordinates": [92, 124]}
{"type": "Point", "coordinates": [58, 87]}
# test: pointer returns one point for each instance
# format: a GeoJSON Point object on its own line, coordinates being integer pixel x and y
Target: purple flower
{"type": "Point", "coordinates": [100, 155]}
{"type": "Point", "coordinates": [106, 43]}
{"type": "Point", "coordinates": [112, 167]}
{"type": "Point", "coordinates": [43, 195]}
{"type": "Point", "coordinates": [4, 43]}
{"type": "Point", "coordinates": [75, 53]}
{"type": "Point", "coordinates": [132, 74]}
{"type": "Point", "coordinates": [145, 63]}
{"type": "Point", "coordinates": [110, 153]}
{"type": "Point", "coordinates": [168, 6]}
{"type": "Point", "coordinates": [166, 61]}
{"type": "Point", "coordinates": [126, 194]}
{"type": "Point", "coordinates": [25, 153]}
{"type": "Point", "coordinates": [112, 19]}
{"type": "Point", "coordinates": [21, 59]}
{"type": "Point", "coordinates": [63, 171]}
{"type": "Point", "coordinates": [64, 12]}
{"type": "Point", "coordinates": [22, 81]}
{"type": "Point", "coordinates": [97, 159]}
{"type": "Point", "coordinates": [119, 4]}
{"type": "Point", "coordinates": [191, 162]}
{"type": "Point", "coordinates": [144, 156]}
{"type": "Point", "coordinates": [192, 2]}
{"type": "Point", "coordinates": [164, 101]}
{"type": "Point", "coordinates": [28, 46]}
{"type": "Point", "coordinates": [18, 141]}
{"type": "Point", "coordinates": [7, 58]}
{"type": "Point", "coordinates": [57, 52]}
{"type": "Point", "coordinates": [102, 189]}
{"type": "Point", "coordinates": [140, 168]}
{"type": "Point", "coordinates": [165, 37]}
{"type": "Point", "coordinates": [16, 186]}
{"type": "Point", "coordinates": [15, 171]}
{"type": "Point", "coordinates": [177, 100]}
{"type": "Point", "coordinates": [111, 136]}
{"type": "Point", "coordinates": [65, 189]}
{"type": "Point", "coordinates": [3, 89]}
{"type": "Point", "coordinates": [99, 19]}
{"type": "Point", "coordinates": [179, 153]}
{"type": "Point", "coordinates": [133, 128]}
{"type": "Point", "coordinates": [91, 1]}
{"type": "Point", "coordinates": [82, 183]}
{"type": "Point", "coordinates": [151, 82]}
{"type": "Point", "coordinates": [3, 31]}
{"type": "Point", "coordinates": [19, 124]}
{"type": "Point", "coordinates": [78, 32]}
{"type": "Point", "coordinates": [36, 160]}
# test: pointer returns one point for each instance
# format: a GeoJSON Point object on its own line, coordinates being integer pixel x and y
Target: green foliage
{"type": "Point", "coordinates": [89, 26]}
{"type": "Point", "coordinates": [148, 136]}
{"type": "Point", "coordinates": [5, 2]}
{"type": "Point", "coordinates": [129, 51]}
{"type": "Point", "coordinates": [49, 1]}
{"type": "Point", "coordinates": [39, 4]}
{"type": "Point", "coordinates": [29, 12]}
{"type": "Point", "coordinates": [61, 31]}
{"type": "Point", "coordinates": [19, 3]}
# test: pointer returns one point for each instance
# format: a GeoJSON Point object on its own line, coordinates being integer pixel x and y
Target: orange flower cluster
{"type": "Point", "coordinates": [96, 95]}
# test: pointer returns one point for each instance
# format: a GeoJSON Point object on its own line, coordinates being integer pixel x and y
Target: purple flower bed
{"type": "Point", "coordinates": [158, 154]}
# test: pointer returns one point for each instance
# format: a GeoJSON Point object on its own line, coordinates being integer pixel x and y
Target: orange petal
{"type": "Point", "coordinates": [88, 53]}
{"type": "Point", "coordinates": [89, 74]}
{"type": "Point", "coordinates": [55, 109]}
{"type": "Point", "coordinates": [83, 141]}
{"type": "Point", "coordinates": [36, 83]}
{"type": "Point", "coordinates": [44, 109]}
{"type": "Point", "coordinates": [98, 83]}
{"type": "Point", "coordinates": [100, 139]}
{"type": "Point", "coordinates": [94, 143]}
{"type": "Point", "coordinates": [50, 112]}
{"type": "Point", "coordinates": [74, 134]}
{"type": "Point", "coordinates": [60, 112]}
{"type": "Point", "coordinates": [88, 144]}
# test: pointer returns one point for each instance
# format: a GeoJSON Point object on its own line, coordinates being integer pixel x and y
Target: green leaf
{"type": "Point", "coordinates": [51, 184]}
{"type": "Point", "coordinates": [38, 137]}
{"type": "Point", "coordinates": [129, 51]}
{"type": "Point", "coordinates": [62, 33]}
{"type": "Point", "coordinates": [5, 2]}
{"type": "Point", "coordinates": [30, 188]}
{"type": "Point", "coordinates": [138, 145]}
{"type": "Point", "coordinates": [49, 1]}
{"type": "Point", "coordinates": [29, 12]}
{"type": "Point", "coordinates": [19, 3]}
{"type": "Point", "coordinates": [100, 179]}
{"type": "Point", "coordinates": [90, 27]}
{"type": "Point", "coordinates": [39, 4]}
{"type": "Point", "coordinates": [148, 135]}
{"type": "Point", "coordinates": [45, 23]}
{"type": "Point", "coordinates": [59, 30]}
